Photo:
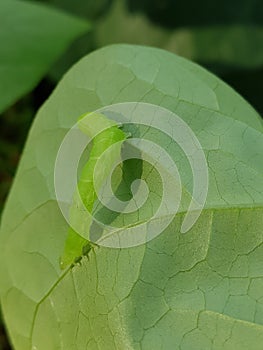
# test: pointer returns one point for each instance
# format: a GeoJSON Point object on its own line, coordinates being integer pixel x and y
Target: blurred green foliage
{"type": "Point", "coordinates": [226, 36]}
{"type": "Point", "coordinates": [185, 13]}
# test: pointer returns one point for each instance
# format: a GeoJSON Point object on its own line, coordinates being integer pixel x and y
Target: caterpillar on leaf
{"type": "Point", "coordinates": [91, 124]}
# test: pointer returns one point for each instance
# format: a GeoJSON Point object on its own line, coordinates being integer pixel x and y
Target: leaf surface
{"type": "Point", "coordinates": [199, 290]}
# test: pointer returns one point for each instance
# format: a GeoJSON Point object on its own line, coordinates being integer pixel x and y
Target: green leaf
{"type": "Point", "coordinates": [32, 38]}
{"type": "Point", "coordinates": [199, 290]}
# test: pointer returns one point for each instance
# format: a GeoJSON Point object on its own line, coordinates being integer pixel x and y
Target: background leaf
{"type": "Point", "coordinates": [197, 290]}
{"type": "Point", "coordinates": [32, 38]}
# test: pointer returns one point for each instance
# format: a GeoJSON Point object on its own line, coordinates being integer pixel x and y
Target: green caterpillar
{"type": "Point", "coordinates": [91, 124]}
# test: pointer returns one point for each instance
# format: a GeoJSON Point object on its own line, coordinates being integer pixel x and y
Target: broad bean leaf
{"type": "Point", "coordinates": [32, 37]}
{"type": "Point", "coordinates": [200, 290]}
